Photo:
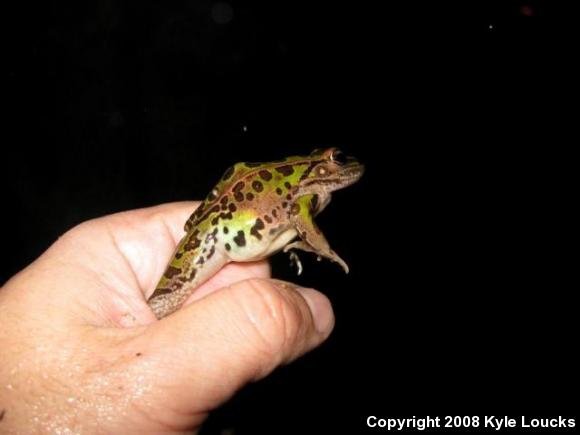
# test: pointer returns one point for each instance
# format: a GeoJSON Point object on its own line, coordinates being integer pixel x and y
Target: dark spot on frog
{"type": "Point", "coordinates": [232, 207]}
{"type": "Point", "coordinates": [215, 220]}
{"type": "Point", "coordinates": [295, 209]}
{"type": "Point", "coordinates": [171, 271]}
{"type": "Point", "coordinates": [138, 354]}
{"type": "Point", "coordinates": [214, 232]}
{"type": "Point", "coordinates": [200, 260]}
{"type": "Point", "coordinates": [275, 213]}
{"type": "Point", "coordinates": [228, 247]}
{"type": "Point", "coordinates": [285, 170]}
{"type": "Point", "coordinates": [214, 209]}
{"type": "Point", "coordinates": [256, 228]}
{"type": "Point", "coordinates": [284, 204]}
{"type": "Point", "coordinates": [250, 196]}
{"type": "Point", "coordinates": [229, 172]}
{"type": "Point", "coordinates": [287, 185]}
{"type": "Point", "coordinates": [253, 164]}
{"type": "Point", "coordinates": [240, 238]}
{"type": "Point", "coordinates": [257, 186]}
{"type": "Point", "coordinates": [192, 244]}
{"type": "Point", "coordinates": [199, 211]}
{"type": "Point", "coordinates": [159, 292]}
{"type": "Point", "coordinates": [308, 170]}
{"type": "Point", "coordinates": [192, 273]}
{"type": "Point", "coordinates": [224, 200]}
{"type": "Point", "coordinates": [178, 255]}
{"type": "Point", "coordinates": [226, 216]}
{"type": "Point", "coordinates": [211, 252]}
{"type": "Point", "coordinates": [268, 219]}
{"type": "Point", "coordinates": [278, 191]}
{"type": "Point", "coordinates": [266, 175]}
{"type": "Point", "coordinates": [226, 230]}
{"type": "Point", "coordinates": [239, 196]}
{"type": "Point", "coordinates": [288, 197]}
{"type": "Point", "coordinates": [239, 186]}
{"type": "Point", "coordinates": [2, 414]}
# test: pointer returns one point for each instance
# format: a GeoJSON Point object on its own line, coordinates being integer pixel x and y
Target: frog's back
{"type": "Point", "coordinates": [244, 182]}
{"type": "Point", "coordinates": [211, 203]}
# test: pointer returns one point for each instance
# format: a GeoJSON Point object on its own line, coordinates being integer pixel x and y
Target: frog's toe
{"type": "Point", "coordinates": [295, 260]}
{"type": "Point", "coordinates": [340, 261]}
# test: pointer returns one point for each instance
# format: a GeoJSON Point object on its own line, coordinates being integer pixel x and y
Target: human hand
{"type": "Point", "coordinates": [81, 351]}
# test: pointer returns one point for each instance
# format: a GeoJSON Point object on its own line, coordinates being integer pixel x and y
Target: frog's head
{"type": "Point", "coordinates": [332, 170]}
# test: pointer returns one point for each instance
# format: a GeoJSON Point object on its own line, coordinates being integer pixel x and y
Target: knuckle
{"type": "Point", "coordinates": [276, 318]}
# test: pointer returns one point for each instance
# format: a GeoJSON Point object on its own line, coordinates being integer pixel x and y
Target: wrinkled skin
{"type": "Point", "coordinates": [82, 352]}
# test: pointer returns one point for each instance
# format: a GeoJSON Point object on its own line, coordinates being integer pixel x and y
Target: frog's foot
{"type": "Point", "coordinates": [330, 254]}
{"type": "Point", "coordinates": [295, 260]}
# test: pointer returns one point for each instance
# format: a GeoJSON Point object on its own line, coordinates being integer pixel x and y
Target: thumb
{"type": "Point", "coordinates": [205, 352]}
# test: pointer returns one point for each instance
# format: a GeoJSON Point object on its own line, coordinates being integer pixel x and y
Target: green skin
{"type": "Point", "coordinates": [254, 211]}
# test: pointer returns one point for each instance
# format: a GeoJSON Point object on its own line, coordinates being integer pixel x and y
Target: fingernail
{"type": "Point", "coordinates": [320, 308]}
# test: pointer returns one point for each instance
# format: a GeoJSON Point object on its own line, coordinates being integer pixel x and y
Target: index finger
{"type": "Point", "coordinates": [147, 237]}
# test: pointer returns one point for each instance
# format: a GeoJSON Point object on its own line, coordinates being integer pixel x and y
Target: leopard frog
{"type": "Point", "coordinates": [255, 210]}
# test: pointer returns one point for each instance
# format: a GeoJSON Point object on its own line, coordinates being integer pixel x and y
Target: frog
{"type": "Point", "coordinates": [254, 211]}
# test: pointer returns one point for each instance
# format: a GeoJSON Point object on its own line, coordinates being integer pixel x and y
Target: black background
{"type": "Point", "coordinates": [459, 300]}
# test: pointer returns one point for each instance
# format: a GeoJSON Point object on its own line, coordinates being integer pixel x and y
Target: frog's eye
{"type": "Point", "coordinates": [338, 157]}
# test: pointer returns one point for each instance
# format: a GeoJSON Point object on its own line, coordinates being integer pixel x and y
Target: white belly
{"type": "Point", "coordinates": [260, 249]}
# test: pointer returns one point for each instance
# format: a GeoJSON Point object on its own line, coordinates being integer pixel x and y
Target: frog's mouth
{"type": "Point", "coordinates": [349, 174]}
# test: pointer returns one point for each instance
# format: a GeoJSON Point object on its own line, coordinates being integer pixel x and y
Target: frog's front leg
{"type": "Point", "coordinates": [295, 260]}
{"type": "Point", "coordinates": [326, 253]}
{"type": "Point", "coordinates": [312, 240]}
